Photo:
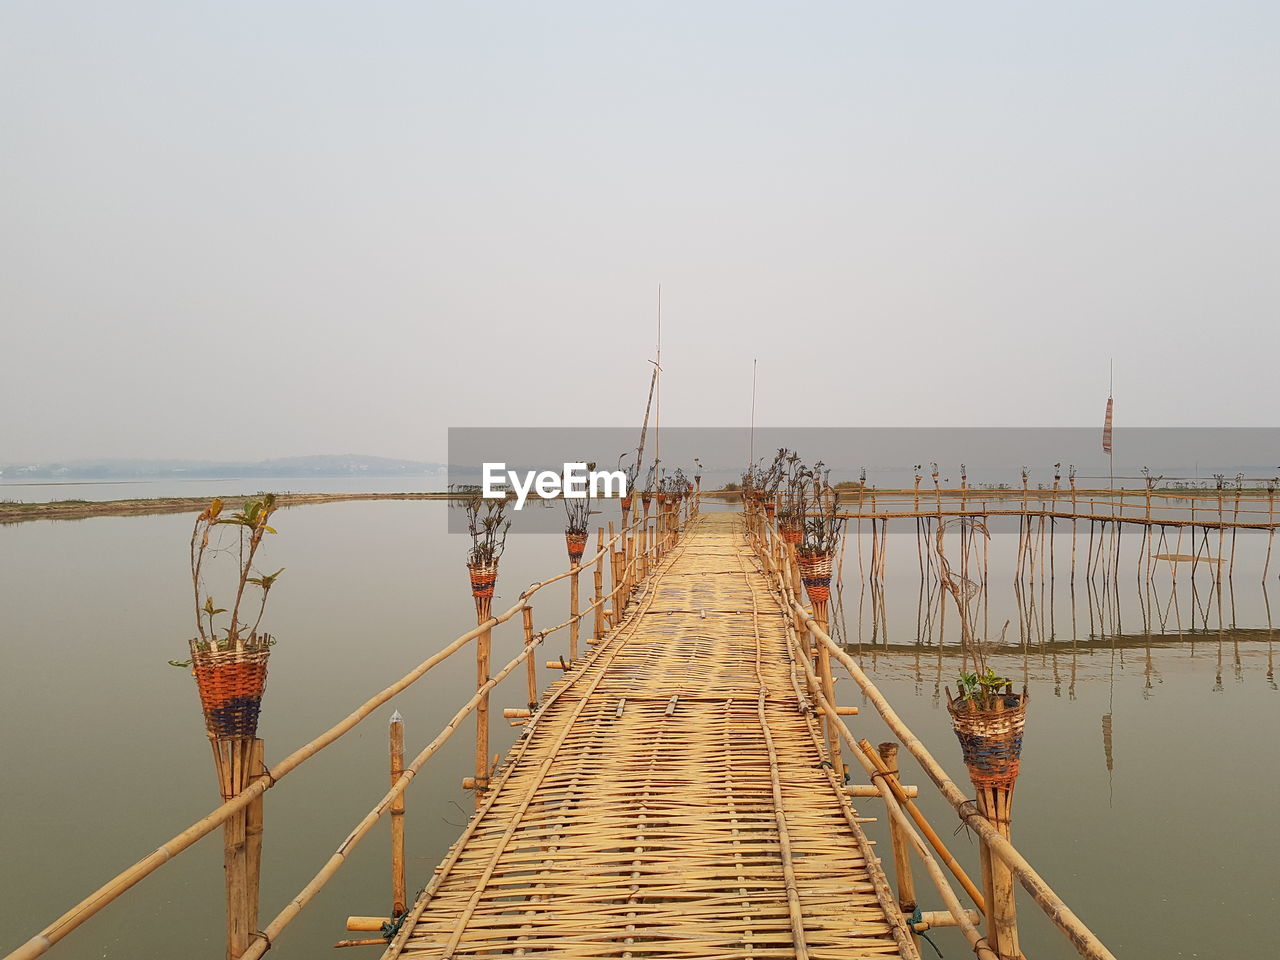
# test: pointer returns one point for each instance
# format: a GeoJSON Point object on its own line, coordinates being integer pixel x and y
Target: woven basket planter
{"type": "Point", "coordinates": [662, 498]}
{"type": "Point", "coordinates": [815, 574]}
{"type": "Point", "coordinates": [231, 683]}
{"type": "Point", "coordinates": [646, 499]}
{"type": "Point", "coordinates": [483, 578]}
{"type": "Point", "coordinates": [991, 740]}
{"type": "Point", "coordinates": [626, 503]}
{"type": "Point", "coordinates": [576, 543]}
{"type": "Point", "coordinates": [770, 509]}
{"type": "Point", "coordinates": [791, 531]}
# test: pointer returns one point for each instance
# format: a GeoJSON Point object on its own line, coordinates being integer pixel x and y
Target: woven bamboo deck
{"type": "Point", "coordinates": [670, 798]}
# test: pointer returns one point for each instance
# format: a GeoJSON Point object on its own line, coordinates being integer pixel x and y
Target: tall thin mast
{"type": "Point", "coordinates": [657, 409]}
{"type": "Point", "coordinates": [751, 462]}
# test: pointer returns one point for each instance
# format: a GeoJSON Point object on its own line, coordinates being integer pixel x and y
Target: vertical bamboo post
{"type": "Point", "coordinates": [254, 816]}
{"type": "Point", "coordinates": [484, 644]}
{"type": "Point", "coordinates": [239, 762]}
{"type": "Point", "coordinates": [598, 584]}
{"type": "Point", "coordinates": [900, 843]}
{"type": "Point", "coordinates": [529, 660]}
{"type": "Point", "coordinates": [398, 899]}
{"type": "Point", "coordinates": [829, 691]}
{"type": "Point", "coordinates": [574, 611]}
{"type": "Point", "coordinates": [995, 803]}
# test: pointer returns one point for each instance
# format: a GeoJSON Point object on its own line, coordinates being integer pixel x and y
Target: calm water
{"type": "Point", "coordinates": [1160, 835]}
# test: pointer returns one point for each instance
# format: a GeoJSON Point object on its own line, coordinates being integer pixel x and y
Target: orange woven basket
{"type": "Point", "coordinates": [483, 578]}
{"type": "Point", "coordinates": [231, 683]}
{"type": "Point", "coordinates": [576, 543]}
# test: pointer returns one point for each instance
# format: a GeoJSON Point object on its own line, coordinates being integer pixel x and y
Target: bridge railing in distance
{"type": "Point", "coordinates": [779, 565]}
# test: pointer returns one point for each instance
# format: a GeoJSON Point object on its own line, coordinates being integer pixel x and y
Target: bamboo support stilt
{"type": "Point", "coordinates": [239, 762]}
{"type": "Point", "coordinates": [598, 585]}
{"type": "Point", "coordinates": [899, 843]}
{"type": "Point", "coordinates": [484, 644]}
{"type": "Point", "coordinates": [398, 896]}
{"type": "Point", "coordinates": [532, 663]}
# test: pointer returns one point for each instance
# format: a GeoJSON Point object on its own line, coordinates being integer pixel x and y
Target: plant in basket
{"type": "Point", "coordinates": [632, 473]}
{"type": "Point", "coordinates": [772, 479]}
{"type": "Point", "coordinates": [487, 526]}
{"type": "Point", "coordinates": [794, 480]}
{"type": "Point", "coordinates": [821, 530]}
{"type": "Point", "coordinates": [230, 662]}
{"type": "Point", "coordinates": [988, 717]}
{"type": "Point", "coordinates": [579, 512]}
{"type": "Point", "coordinates": [646, 495]}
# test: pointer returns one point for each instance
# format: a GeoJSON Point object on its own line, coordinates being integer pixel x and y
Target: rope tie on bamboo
{"type": "Point", "coordinates": [259, 935]}
{"type": "Point", "coordinates": [391, 927]}
{"type": "Point", "coordinates": [918, 917]}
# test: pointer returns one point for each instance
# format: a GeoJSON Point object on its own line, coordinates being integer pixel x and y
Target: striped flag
{"type": "Point", "coordinates": [1106, 429]}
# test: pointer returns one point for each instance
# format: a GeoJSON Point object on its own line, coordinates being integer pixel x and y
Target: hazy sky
{"type": "Point", "coordinates": [242, 230]}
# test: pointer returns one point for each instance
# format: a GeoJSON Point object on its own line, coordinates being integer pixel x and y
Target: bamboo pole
{"type": "Point", "coordinates": [238, 762]}
{"type": "Point", "coordinates": [398, 897]}
{"type": "Point", "coordinates": [532, 664]}
{"type": "Point", "coordinates": [829, 689]}
{"type": "Point", "coordinates": [903, 797]}
{"type": "Point", "coordinates": [484, 645]}
{"type": "Point", "coordinates": [898, 841]}
{"type": "Point", "coordinates": [574, 628]}
{"type": "Point", "coordinates": [598, 584]}
{"type": "Point", "coordinates": [253, 836]}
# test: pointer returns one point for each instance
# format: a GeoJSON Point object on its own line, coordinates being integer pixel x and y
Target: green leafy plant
{"type": "Point", "coordinates": [982, 688]}
{"type": "Point", "coordinates": [251, 523]}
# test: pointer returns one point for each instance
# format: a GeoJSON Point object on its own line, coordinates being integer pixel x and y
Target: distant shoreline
{"type": "Point", "coordinates": [83, 509]}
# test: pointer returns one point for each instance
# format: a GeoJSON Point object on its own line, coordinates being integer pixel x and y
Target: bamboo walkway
{"type": "Point", "coordinates": [669, 799]}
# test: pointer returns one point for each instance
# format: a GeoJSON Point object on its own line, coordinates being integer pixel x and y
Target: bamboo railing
{"type": "Point", "coordinates": [639, 549]}
{"type": "Point", "coordinates": [1132, 506]}
{"type": "Point", "coordinates": [802, 622]}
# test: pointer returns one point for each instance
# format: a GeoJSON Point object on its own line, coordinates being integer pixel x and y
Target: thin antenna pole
{"type": "Point", "coordinates": [657, 408]}
{"type": "Point", "coordinates": [752, 461]}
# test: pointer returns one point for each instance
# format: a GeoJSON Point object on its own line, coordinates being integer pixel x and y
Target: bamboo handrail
{"type": "Point", "coordinates": [266, 937]}
{"type": "Point", "coordinates": [111, 890]}
{"type": "Point", "coordinates": [1084, 940]}
{"type": "Point", "coordinates": [957, 910]}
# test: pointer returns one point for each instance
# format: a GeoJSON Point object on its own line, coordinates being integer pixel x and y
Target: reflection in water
{"type": "Point", "coordinates": [1062, 606]}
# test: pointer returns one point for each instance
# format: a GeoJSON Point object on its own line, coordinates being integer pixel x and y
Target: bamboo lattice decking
{"type": "Point", "coordinates": [669, 799]}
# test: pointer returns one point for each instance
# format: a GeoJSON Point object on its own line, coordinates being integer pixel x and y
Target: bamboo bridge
{"type": "Point", "coordinates": [671, 798]}
{"type": "Point", "coordinates": [681, 791]}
